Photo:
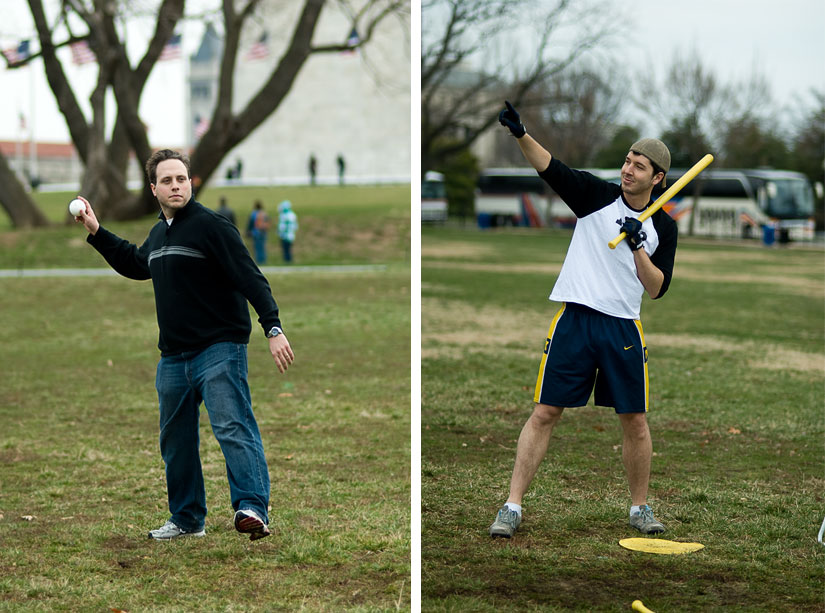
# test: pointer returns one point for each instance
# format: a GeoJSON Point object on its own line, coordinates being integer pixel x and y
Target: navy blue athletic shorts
{"type": "Point", "coordinates": [585, 347]}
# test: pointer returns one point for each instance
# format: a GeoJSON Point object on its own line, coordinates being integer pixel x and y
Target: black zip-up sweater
{"type": "Point", "coordinates": [202, 274]}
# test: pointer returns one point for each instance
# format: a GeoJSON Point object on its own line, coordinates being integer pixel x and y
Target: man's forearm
{"type": "Point", "coordinates": [534, 153]}
{"type": "Point", "coordinates": [651, 277]}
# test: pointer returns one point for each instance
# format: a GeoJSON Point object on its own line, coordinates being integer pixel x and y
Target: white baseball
{"type": "Point", "coordinates": [76, 207]}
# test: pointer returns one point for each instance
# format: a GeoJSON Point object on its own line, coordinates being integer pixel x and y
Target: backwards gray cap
{"type": "Point", "coordinates": [656, 151]}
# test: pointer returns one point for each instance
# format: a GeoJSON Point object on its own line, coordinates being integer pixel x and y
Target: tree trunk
{"type": "Point", "coordinates": [104, 179]}
{"type": "Point", "coordinates": [16, 202]}
{"type": "Point", "coordinates": [227, 131]}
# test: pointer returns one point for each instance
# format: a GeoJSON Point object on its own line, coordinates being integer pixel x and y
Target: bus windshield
{"type": "Point", "coordinates": [789, 198]}
{"type": "Point", "coordinates": [433, 190]}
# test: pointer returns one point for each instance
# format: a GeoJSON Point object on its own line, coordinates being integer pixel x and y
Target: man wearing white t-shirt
{"type": "Point", "coordinates": [596, 338]}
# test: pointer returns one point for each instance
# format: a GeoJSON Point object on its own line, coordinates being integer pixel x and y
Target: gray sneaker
{"type": "Point", "coordinates": [645, 523]}
{"type": "Point", "coordinates": [171, 530]}
{"type": "Point", "coordinates": [506, 524]}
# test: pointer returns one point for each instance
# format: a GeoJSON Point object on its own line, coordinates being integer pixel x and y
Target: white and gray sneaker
{"type": "Point", "coordinates": [506, 524]}
{"type": "Point", "coordinates": [645, 523]}
{"type": "Point", "coordinates": [171, 530]}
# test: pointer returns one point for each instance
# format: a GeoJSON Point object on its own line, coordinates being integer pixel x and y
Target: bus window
{"type": "Point", "coordinates": [789, 198]}
{"type": "Point", "coordinates": [433, 190]}
{"type": "Point", "coordinates": [511, 196]}
{"type": "Point", "coordinates": [433, 197]}
{"type": "Point", "coordinates": [511, 184]}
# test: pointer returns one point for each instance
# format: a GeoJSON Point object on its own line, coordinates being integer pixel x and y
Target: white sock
{"type": "Point", "coordinates": [635, 509]}
{"type": "Point", "coordinates": [513, 507]}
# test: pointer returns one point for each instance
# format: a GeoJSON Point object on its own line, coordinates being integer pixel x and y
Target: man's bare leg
{"type": "Point", "coordinates": [532, 447]}
{"type": "Point", "coordinates": [637, 450]}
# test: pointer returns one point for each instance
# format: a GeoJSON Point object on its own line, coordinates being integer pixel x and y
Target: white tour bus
{"type": "Point", "coordinates": [733, 203]}
{"type": "Point", "coordinates": [433, 198]}
{"type": "Point", "coordinates": [744, 203]}
{"type": "Point", "coordinates": [512, 197]}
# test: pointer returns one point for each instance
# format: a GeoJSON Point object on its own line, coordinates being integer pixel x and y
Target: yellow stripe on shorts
{"type": "Point", "coordinates": [537, 393]}
{"type": "Point", "coordinates": [644, 348]}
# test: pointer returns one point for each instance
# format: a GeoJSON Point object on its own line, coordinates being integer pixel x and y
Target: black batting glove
{"type": "Point", "coordinates": [511, 120]}
{"type": "Point", "coordinates": [635, 236]}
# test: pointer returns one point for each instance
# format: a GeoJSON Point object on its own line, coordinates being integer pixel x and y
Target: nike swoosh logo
{"type": "Point", "coordinates": [626, 348]}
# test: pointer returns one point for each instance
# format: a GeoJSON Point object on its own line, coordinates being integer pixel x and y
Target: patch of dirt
{"type": "Point", "coordinates": [794, 285]}
{"type": "Point", "coordinates": [788, 359]}
{"type": "Point", "coordinates": [452, 329]}
{"type": "Point", "coordinates": [689, 256]}
{"type": "Point", "coordinates": [120, 543]}
{"type": "Point", "coordinates": [9, 240]}
{"type": "Point", "coordinates": [770, 357]}
{"type": "Point", "coordinates": [15, 454]}
{"type": "Point", "coordinates": [551, 268]}
{"type": "Point", "coordinates": [456, 250]}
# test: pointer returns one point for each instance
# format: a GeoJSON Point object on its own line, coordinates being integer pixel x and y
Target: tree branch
{"type": "Point", "coordinates": [59, 83]}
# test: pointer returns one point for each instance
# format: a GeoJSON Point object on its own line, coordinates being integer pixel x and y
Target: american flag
{"type": "Point", "coordinates": [259, 49]}
{"type": "Point", "coordinates": [353, 40]}
{"type": "Point", "coordinates": [20, 53]}
{"type": "Point", "coordinates": [201, 127]}
{"type": "Point", "coordinates": [82, 53]}
{"type": "Point", "coordinates": [172, 49]}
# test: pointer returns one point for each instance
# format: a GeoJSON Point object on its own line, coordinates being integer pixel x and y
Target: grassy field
{"type": "Point", "coordinates": [737, 368]}
{"type": "Point", "coordinates": [338, 225]}
{"type": "Point", "coordinates": [81, 478]}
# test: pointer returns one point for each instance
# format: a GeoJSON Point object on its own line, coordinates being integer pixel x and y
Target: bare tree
{"type": "Point", "coordinates": [809, 147]}
{"type": "Point", "coordinates": [16, 202]}
{"type": "Point", "coordinates": [105, 157]}
{"type": "Point", "coordinates": [690, 101]}
{"type": "Point", "coordinates": [750, 132]}
{"type": "Point", "coordinates": [471, 59]}
{"type": "Point", "coordinates": [702, 115]}
{"type": "Point", "coordinates": [579, 122]}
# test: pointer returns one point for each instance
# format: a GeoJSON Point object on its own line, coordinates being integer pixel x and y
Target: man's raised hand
{"type": "Point", "coordinates": [511, 120]}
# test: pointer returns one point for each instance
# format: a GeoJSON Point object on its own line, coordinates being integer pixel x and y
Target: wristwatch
{"type": "Point", "coordinates": [274, 331]}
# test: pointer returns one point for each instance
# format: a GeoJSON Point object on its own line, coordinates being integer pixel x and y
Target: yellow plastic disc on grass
{"type": "Point", "coordinates": [661, 546]}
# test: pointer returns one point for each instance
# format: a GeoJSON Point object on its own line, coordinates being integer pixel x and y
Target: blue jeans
{"type": "Point", "coordinates": [286, 247]}
{"type": "Point", "coordinates": [216, 376]}
{"type": "Point", "coordinates": [259, 241]}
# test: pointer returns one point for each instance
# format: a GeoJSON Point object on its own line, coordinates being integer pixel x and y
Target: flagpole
{"type": "Point", "coordinates": [21, 135]}
{"type": "Point", "coordinates": [33, 170]}
{"type": "Point", "coordinates": [189, 136]}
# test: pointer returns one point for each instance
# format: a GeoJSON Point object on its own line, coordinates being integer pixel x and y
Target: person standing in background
{"type": "Point", "coordinates": [313, 168]}
{"type": "Point", "coordinates": [287, 226]}
{"type": "Point", "coordinates": [342, 166]}
{"type": "Point", "coordinates": [223, 209]}
{"type": "Point", "coordinates": [260, 228]}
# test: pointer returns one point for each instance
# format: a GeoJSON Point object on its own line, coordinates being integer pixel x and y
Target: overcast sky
{"type": "Point", "coordinates": [784, 41]}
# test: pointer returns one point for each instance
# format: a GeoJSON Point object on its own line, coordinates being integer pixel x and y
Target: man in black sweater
{"type": "Point", "coordinates": [203, 277]}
